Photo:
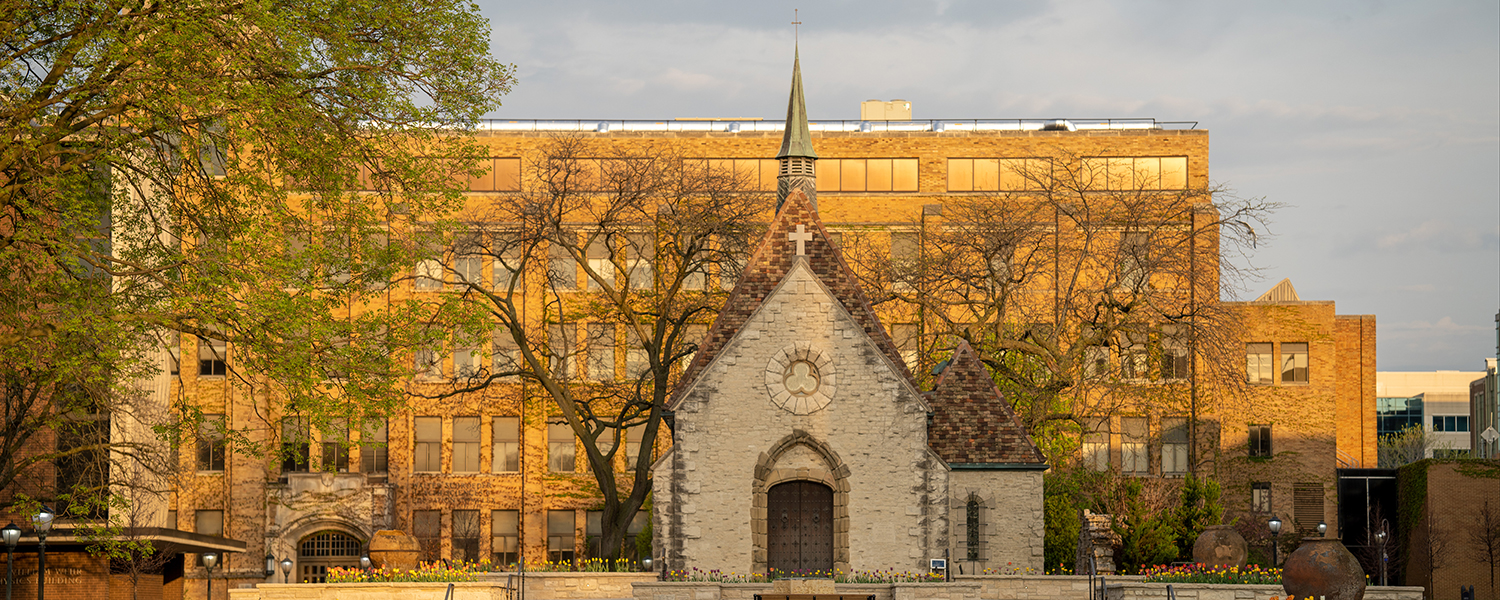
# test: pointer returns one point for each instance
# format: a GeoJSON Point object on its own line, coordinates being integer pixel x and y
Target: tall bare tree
{"type": "Point", "coordinates": [608, 247]}
{"type": "Point", "coordinates": [1484, 537]}
{"type": "Point", "coordinates": [1088, 278]}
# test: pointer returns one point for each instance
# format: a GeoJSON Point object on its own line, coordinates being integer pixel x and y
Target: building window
{"type": "Point", "coordinates": [507, 254]}
{"type": "Point", "coordinates": [562, 271]}
{"type": "Point", "coordinates": [637, 359]}
{"type": "Point", "coordinates": [867, 175]}
{"type": "Point", "coordinates": [296, 445]}
{"type": "Point", "coordinates": [1135, 357]}
{"type": "Point", "coordinates": [499, 175]}
{"type": "Point", "coordinates": [693, 336]}
{"type": "Point", "coordinates": [174, 360]}
{"type": "Point", "coordinates": [428, 365]}
{"type": "Point", "coordinates": [1134, 260]}
{"type": "Point", "coordinates": [734, 255]}
{"type": "Point", "coordinates": [465, 363]}
{"type": "Point", "coordinates": [466, 446]}
{"type": "Point", "coordinates": [632, 532]}
{"type": "Point", "coordinates": [633, 445]}
{"type": "Point", "coordinates": [1450, 423]}
{"type": "Point", "coordinates": [1174, 352]}
{"type": "Point", "coordinates": [465, 536]}
{"type": "Point", "coordinates": [212, 358]}
{"type": "Point", "coordinates": [754, 174]}
{"type": "Point", "coordinates": [429, 270]}
{"type": "Point", "coordinates": [1307, 506]}
{"type": "Point", "coordinates": [560, 448]}
{"type": "Point", "coordinates": [561, 344]}
{"type": "Point", "coordinates": [505, 435]}
{"type": "Point", "coordinates": [1096, 445]}
{"type": "Point", "coordinates": [427, 527]}
{"type": "Point", "coordinates": [468, 258]}
{"type": "Point", "coordinates": [374, 451]}
{"type": "Point", "coordinates": [601, 262]}
{"type": "Point", "coordinates": [640, 259]}
{"type": "Point", "coordinates": [211, 443]}
{"type": "Point", "coordinates": [1260, 497]}
{"type": "Point", "coordinates": [505, 537]}
{"type": "Point", "coordinates": [601, 351]}
{"type": "Point", "coordinates": [1174, 445]}
{"type": "Point", "coordinates": [1294, 363]}
{"type": "Point", "coordinates": [1260, 441]}
{"type": "Point", "coordinates": [1096, 362]}
{"type": "Point", "coordinates": [904, 261]}
{"type": "Point", "coordinates": [907, 340]}
{"type": "Point", "coordinates": [998, 174]}
{"type": "Point", "coordinates": [506, 355]}
{"type": "Point", "coordinates": [208, 522]}
{"type": "Point", "coordinates": [974, 530]}
{"type": "Point", "coordinates": [593, 533]}
{"type": "Point", "coordinates": [1135, 173]}
{"type": "Point", "coordinates": [336, 446]}
{"type": "Point", "coordinates": [1395, 414]}
{"type": "Point", "coordinates": [428, 434]}
{"type": "Point", "coordinates": [1135, 447]}
{"type": "Point", "coordinates": [1258, 364]}
{"type": "Point", "coordinates": [561, 527]}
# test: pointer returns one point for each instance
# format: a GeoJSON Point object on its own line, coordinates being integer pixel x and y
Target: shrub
{"type": "Point", "coordinates": [425, 572]}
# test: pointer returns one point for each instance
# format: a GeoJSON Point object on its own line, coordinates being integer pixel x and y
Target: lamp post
{"type": "Point", "coordinates": [42, 521]}
{"type": "Point", "coordinates": [364, 563]}
{"type": "Point", "coordinates": [1275, 525]}
{"type": "Point", "coordinates": [209, 560]}
{"type": "Point", "coordinates": [1380, 538]}
{"type": "Point", "coordinates": [1322, 529]}
{"type": "Point", "coordinates": [11, 535]}
{"type": "Point", "coordinates": [286, 570]}
{"type": "Point", "coordinates": [270, 566]}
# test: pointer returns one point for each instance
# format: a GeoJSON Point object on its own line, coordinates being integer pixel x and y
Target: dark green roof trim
{"type": "Point", "coordinates": [797, 139]}
{"type": "Point", "coordinates": [999, 466]}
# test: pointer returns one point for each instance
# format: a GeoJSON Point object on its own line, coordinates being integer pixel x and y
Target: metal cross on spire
{"type": "Point", "coordinates": [796, 31]}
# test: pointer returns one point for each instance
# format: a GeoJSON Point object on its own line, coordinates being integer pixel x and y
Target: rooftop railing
{"type": "Point", "coordinates": [756, 125]}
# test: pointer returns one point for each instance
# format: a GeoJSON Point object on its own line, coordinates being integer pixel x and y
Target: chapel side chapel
{"type": "Point", "coordinates": [802, 442]}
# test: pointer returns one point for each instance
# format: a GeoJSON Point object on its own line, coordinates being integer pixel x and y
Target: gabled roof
{"type": "Point", "coordinates": [768, 265]}
{"type": "Point", "coordinates": [972, 425]}
{"type": "Point", "coordinates": [1283, 292]}
{"type": "Point", "coordinates": [797, 139]}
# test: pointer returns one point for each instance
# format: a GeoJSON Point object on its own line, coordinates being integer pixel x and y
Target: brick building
{"type": "Point", "coordinates": [492, 475]}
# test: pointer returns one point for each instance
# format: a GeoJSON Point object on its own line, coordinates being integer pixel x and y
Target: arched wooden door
{"type": "Point", "coordinates": [325, 550]}
{"type": "Point", "coordinates": [799, 527]}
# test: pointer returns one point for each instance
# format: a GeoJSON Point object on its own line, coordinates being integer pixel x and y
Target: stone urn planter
{"type": "Point", "coordinates": [1220, 545]}
{"type": "Point", "coordinates": [1323, 567]}
{"type": "Point", "coordinates": [391, 548]}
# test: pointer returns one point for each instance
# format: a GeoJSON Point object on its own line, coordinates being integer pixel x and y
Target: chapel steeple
{"type": "Point", "coordinates": [796, 155]}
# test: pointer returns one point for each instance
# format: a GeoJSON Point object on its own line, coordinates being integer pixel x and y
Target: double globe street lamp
{"type": "Point", "coordinates": [42, 521]}
{"type": "Point", "coordinates": [1275, 525]}
{"type": "Point", "coordinates": [209, 560]}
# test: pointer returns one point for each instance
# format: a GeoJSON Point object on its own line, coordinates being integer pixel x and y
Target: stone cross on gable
{"type": "Point", "coordinates": [802, 237]}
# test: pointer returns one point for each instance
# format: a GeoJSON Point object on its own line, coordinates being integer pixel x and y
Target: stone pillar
{"type": "Point", "coordinates": [1096, 541]}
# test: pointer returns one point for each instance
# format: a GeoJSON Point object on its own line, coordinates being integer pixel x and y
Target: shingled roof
{"type": "Point", "coordinates": [767, 266]}
{"type": "Point", "coordinates": [972, 426]}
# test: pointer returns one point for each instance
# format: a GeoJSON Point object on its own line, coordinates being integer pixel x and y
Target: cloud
{"type": "Point", "coordinates": [1439, 236]}
{"type": "Point", "coordinates": [1443, 325]}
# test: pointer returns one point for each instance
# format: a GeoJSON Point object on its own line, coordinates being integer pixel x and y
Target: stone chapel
{"type": "Point", "coordinates": [802, 443]}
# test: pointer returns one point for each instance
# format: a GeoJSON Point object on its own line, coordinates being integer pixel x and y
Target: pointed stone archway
{"type": "Point", "coordinates": [800, 457]}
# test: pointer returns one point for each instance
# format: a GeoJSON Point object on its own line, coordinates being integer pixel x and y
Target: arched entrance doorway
{"type": "Point", "coordinates": [325, 550]}
{"type": "Point", "coordinates": [799, 534]}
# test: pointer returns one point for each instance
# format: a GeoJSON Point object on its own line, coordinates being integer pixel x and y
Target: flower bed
{"type": "Point", "coordinates": [425, 572]}
{"type": "Point", "coordinates": [1201, 573]}
{"type": "Point", "coordinates": [837, 575]}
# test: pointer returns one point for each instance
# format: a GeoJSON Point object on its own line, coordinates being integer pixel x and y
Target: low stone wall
{"type": "Point", "coordinates": [541, 585]}
{"type": "Point", "coordinates": [1220, 591]}
{"type": "Point", "coordinates": [704, 590]}
{"type": "Point", "coordinates": [1035, 587]}
{"type": "Point", "coordinates": [479, 590]}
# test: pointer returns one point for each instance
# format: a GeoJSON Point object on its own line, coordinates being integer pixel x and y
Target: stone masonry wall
{"type": "Point", "coordinates": [1012, 517]}
{"type": "Point", "coordinates": [895, 514]}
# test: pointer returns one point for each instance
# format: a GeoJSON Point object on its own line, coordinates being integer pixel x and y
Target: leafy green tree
{"type": "Point", "coordinates": [1148, 536]}
{"type": "Point", "coordinates": [242, 172]}
{"type": "Point", "coordinates": [1199, 507]}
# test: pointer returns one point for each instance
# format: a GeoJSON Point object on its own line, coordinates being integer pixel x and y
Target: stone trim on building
{"type": "Point", "coordinates": [836, 476]}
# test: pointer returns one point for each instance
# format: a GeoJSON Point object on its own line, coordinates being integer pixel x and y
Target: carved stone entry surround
{"type": "Point", "coordinates": [834, 474]}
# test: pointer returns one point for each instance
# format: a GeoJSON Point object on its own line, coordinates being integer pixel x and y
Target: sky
{"type": "Point", "coordinates": [1375, 124]}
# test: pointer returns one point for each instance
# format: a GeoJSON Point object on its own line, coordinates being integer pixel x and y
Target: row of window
{"type": "Point", "coordinates": [465, 442]}
{"type": "Point", "coordinates": [1261, 367]}
{"type": "Point", "coordinates": [1307, 503]}
{"type": "Point", "coordinates": [870, 174]}
{"type": "Point", "coordinates": [505, 535]}
{"type": "Point", "coordinates": [1135, 446]}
